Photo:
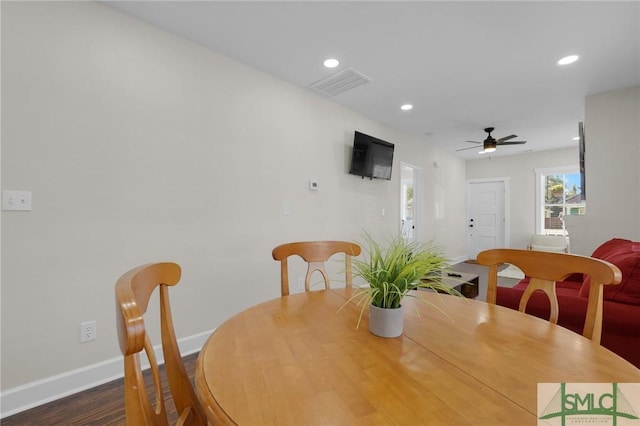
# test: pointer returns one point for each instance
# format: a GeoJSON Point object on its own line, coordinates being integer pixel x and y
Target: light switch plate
{"type": "Point", "coordinates": [16, 200]}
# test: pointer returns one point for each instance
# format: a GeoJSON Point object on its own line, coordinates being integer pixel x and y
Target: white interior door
{"type": "Point", "coordinates": [487, 218]}
{"type": "Point", "coordinates": [410, 202]}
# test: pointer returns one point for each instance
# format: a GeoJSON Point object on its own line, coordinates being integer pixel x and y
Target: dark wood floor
{"type": "Point", "coordinates": [98, 406]}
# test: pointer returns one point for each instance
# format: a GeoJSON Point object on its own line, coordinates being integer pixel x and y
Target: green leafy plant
{"type": "Point", "coordinates": [394, 271]}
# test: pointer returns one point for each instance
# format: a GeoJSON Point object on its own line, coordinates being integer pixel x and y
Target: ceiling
{"type": "Point", "coordinates": [463, 66]}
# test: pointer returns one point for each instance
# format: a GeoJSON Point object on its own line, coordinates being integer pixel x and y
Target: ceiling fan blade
{"type": "Point", "coordinates": [511, 143]}
{"type": "Point", "coordinates": [506, 138]}
{"type": "Point", "coordinates": [471, 147]}
{"type": "Point", "coordinates": [491, 143]}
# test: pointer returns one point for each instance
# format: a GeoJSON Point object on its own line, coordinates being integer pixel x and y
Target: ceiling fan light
{"type": "Point", "coordinates": [489, 144]}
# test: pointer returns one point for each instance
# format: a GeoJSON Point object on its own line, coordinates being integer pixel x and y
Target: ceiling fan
{"type": "Point", "coordinates": [490, 143]}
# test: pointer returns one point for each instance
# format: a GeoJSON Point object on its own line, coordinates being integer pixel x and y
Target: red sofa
{"type": "Point", "coordinates": [621, 307]}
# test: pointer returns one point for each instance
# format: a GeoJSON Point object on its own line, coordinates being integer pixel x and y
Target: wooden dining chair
{"type": "Point", "coordinates": [133, 291]}
{"type": "Point", "coordinates": [544, 269]}
{"type": "Point", "coordinates": [315, 253]}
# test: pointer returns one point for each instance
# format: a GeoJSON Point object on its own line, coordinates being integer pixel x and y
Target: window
{"type": "Point", "coordinates": [559, 193]}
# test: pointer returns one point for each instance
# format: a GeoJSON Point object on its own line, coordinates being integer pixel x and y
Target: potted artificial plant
{"type": "Point", "coordinates": [391, 274]}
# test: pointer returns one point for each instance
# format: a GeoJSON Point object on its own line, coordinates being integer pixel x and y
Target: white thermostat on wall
{"type": "Point", "coordinates": [313, 185]}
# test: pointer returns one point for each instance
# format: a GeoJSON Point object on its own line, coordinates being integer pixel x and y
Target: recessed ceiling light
{"type": "Point", "coordinates": [568, 60]}
{"type": "Point", "coordinates": [406, 107]}
{"type": "Point", "coordinates": [331, 63]}
{"type": "Point", "coordinates": [577, 138]}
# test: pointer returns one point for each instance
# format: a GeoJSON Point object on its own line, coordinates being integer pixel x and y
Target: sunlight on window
{"type": "Point", "coordinates": [562, 196]}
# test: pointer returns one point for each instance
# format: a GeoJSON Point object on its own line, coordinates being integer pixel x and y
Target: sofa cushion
{"type": "Point", "coordinates": [620, 322]}
{"type": "Point", "coordinates": [621, 330]}
{"type": "Point", "coordinates": [617, 318]}
{"type": "Point", "coordinates": [608, 247]}
{"type": "Point", "coordinates": [628, 261]}
{"type": "Point", "coordinates": [568, 287]}
{"type": "Point", "coordinates": [572, 309]}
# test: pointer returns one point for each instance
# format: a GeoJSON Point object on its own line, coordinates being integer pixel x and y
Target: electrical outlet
{"type": "Point", "coordinates": [16, 200]}
{"type": "Point", "coordinates": [87, 331]}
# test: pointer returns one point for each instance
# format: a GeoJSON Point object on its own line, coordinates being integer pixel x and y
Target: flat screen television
{"type": "Point", "coordinates": [372, 157]}
{"type": "Point", "coordinates": [581, 149]}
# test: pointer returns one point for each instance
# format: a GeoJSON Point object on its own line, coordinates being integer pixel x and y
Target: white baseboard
{"type": "Point", "coordinates": [24, 397]}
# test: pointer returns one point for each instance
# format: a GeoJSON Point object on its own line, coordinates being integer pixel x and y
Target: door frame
{"type": "Point", "coordinates": [507, 216]}
{"type": "Point", "coordinates": [418, 211]}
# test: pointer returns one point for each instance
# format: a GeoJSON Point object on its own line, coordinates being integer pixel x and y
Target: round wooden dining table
{"type": "Point", "coordinates": [299, 360]}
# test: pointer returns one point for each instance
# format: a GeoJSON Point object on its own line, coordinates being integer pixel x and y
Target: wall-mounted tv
{"type": "Point", "coordinates": [581, 150]}
{"type": "Point", "coordinates": [372, 157]}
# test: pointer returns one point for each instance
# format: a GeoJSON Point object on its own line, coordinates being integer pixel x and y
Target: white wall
{"type": "Point", "coordinates": [612, 159]}
{"type": "Point", "coordinates": [521, 170]}
{"type": "Point", "coordinates": [612, 134]}
{"type": "Point", "coordinates": [140, 146]}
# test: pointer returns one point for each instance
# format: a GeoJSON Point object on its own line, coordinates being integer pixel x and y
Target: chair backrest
{"type": "Point", "coordinates": [133, 291]}
{"type": "Point", "coordinates": [552, 243]}
{"type": "Point", "coordinates": [315, 253]}
{"type": "Point", "coordinates": [544, 269]}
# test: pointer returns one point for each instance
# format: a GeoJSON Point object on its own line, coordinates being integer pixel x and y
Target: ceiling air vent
{"type": "Point", "coordinates": [340, 82]}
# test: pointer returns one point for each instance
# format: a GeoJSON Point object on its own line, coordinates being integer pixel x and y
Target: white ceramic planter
{"type": "Point", "coordinates": [385, 322]}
